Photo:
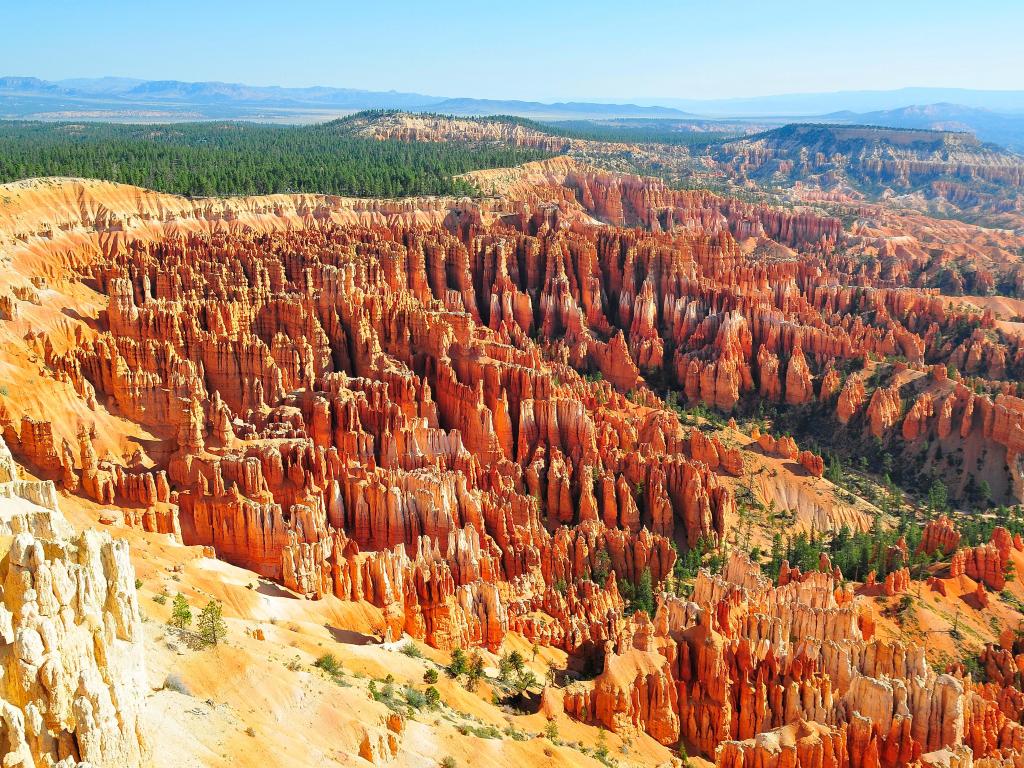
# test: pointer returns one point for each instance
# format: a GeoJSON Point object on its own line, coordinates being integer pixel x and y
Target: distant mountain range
{"type": "Point", "coordinates": [994, 116]}
{"type": "Point", "coordinates": [121, 98]}
{"type": "Point", "coordinates": [811, 104]}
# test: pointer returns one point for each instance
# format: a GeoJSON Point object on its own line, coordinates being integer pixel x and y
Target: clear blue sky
{"type": "Point", "coordinates": [529, 50]}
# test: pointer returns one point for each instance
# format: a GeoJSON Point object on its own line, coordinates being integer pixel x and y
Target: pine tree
{"type": "Point", "coordinates": [778, 555]}
{"type": "Point", "coordinates": [212, 628]}
{"type": "Point", "coordinates": [218, 158]}
{"type": "Point", "coordinates": [458, 664]}
{"type": "Point", "coordinates": [516, 661]}
{"type": "Point", "coordinates": [504, 669]}
{"type": "Point", "coordinates": [181, 614]}
{"type": "Point", "coordinates": [524, 681]}
{"type": "Point", "coordinates": [644, 600]}
{"type": "Point", "coordinates": [938, 496]}
{"type": "Point", "coordinates": [551, 730]}
{"type": "Point", "coordinates": [475, 672]}
{"type": "Point", "coordinates": [433, 697]}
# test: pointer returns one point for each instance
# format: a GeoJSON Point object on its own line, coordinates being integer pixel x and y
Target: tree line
{"type": "Point", "coordinates": [230, 158]}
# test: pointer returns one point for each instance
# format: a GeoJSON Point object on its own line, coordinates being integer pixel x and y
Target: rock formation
{"type": "Point", "coordinates": [70, 637]}
{"type": "Point", "coordinates": [453, 412]}
{"type": "Point", "coordinates": [745, 668]}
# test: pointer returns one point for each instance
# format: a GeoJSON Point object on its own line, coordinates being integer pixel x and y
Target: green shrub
{"type": "Point", "coordinates": [411, 650]}
{"type": "Point", "coordinates": [415, 699]}
{"type": "Point", "coordinates": [433, 697]}
{"type": "Point", "coordinates": [973, 667]}
{"type": "Point", "coordinates": [181, 614]}
{"type": "Point", "coordinates": [480, 731]}
{"type": "Point", "coordinates": [474, 672]}
{"type": "Point", "coordinates": [459, 664]}
{"type": "Point", "coordinates": [329, 664]}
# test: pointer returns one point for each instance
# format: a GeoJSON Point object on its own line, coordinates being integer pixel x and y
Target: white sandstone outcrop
{"type": "Point", "coordinates": [72, 672]}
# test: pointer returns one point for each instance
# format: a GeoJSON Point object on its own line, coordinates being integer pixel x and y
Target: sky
{"type": "Point", "coordinates": [576, 49]}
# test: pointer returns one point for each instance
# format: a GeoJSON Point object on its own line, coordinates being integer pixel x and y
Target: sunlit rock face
{"type": "Point", "coordinates": [70, 636]}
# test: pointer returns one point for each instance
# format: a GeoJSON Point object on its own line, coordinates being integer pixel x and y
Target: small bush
{"type": "Point", "coordinates": [480, 731]}
{"type": "Point", "coordinates": [430, 676]}
{"type": "Point", "coordinates": [415, 699]}
{"type": "Point", "coordinates": [160, 598]}
{"type": "Point", "coordinates": [385, 694]}
{"type": "Point", "coordinates": [601, 750]}
{"type": "Point", "coordinates": [329, 664]}
{"type": "Point", "coordinates": [411, 650]}
{"type": "Point", "coordinates": [174, 683]}
{"type": "Point", "coordinates": [449, 762]}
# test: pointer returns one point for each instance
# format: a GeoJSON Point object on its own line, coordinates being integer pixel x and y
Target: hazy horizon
{"type": "Point", "coordinates": [621, 98]}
